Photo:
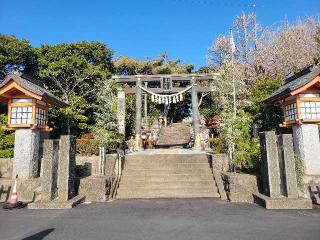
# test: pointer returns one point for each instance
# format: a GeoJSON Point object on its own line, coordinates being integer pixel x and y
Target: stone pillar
{"type": "Point", "coordinates": [66, 168]}
{"type": "Point", "coordinates": [26, 153]}
{"type": "Point", "coordinates": [138, 114]}
{"type": "Point", "coordinates": [49, 167]}
{"type": "Point", "coordinates": [121, 114]}
{"type": "Point", "coordinates": [270, 172]}
{"type": "Point", "coordinates": [196, 121]}
{"type": "Point", "coordinates": [307, 147]}
{"type": "Point", "coordinates": [289, 180]}
{"type": "Point", "coordinates": [102, 160]}
{"type": "Point", "coordinates": [145, 105]}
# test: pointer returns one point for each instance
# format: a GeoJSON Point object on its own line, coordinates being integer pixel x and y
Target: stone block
{"type": "Point", "coordinates": [49, 167]}
{"type": "Point", "coordinates": [270, 172]}
{"type": "Point", "coordinates": [289, 179]}
{"type": "Point", "coordinates": [240, 187]}
{"type": "Point", "coordinates": [89, 165]}
{"type": "Point", "coordinates": [94, 188]}
{"type": "Point", "coordinates": [6, 167]}
{"type": "Point", "coordinates": [26, 153]}
{"type": "Point", "coordinates": [66, 168]}
{"type": "Point", "coordinates": [29, 189]}
{"type": "Point", "coordinates": [220, 162]}
{"type": "Point", "coordinates": [282, 202]}
{"type": "Point", "coordinates": [56, 204]}
{"type": "Point", "coordinates": [307, 147]}
{"type": "Point", "coordinates": [220, 185]}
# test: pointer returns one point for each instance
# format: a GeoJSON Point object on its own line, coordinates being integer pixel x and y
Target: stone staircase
{"type": "Point", "coordinates": [175, 135]}
{"type": "Point", "coordinates": [167, 176]}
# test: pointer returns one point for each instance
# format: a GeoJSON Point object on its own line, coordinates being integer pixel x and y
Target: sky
{"type": "Point", "coordinates": [142, 29]}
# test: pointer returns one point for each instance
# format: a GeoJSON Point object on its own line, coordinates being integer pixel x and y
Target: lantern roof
{"type": "Point", "coordinates": [295, 82]}
{"type": "Point", "coordinates": [30, 87]}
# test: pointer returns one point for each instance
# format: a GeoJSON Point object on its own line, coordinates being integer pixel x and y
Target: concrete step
{"type": "Point", "coordinates": [161, 172]}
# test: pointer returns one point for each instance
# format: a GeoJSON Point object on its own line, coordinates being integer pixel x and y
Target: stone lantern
{"type": "Point", "coordinates": [28, 103]}
{"type": "Point", "coordinates": [300, 100]}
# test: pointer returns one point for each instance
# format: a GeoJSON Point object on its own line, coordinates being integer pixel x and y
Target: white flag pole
{"type": "Point", "coordinates": [233, 49]}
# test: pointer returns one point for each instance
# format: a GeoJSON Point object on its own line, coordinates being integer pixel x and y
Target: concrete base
{"type": "Point", "coordinates": [307, 146]}
{"type": "Point", "coordinates": [56, 204]}
{"type": "Point", "coordinates": [26, 153]}
{"type": "Point", "coordinates": [282, 203]}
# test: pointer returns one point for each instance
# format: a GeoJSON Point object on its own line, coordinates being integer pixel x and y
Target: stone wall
{"type": "Point", "coordinates": [6, 167]}
{"type": "Point", "coordinates": [240, 187]}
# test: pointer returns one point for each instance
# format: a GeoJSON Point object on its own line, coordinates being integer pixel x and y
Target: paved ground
{"type": "Point", "coordinates": [161, 219]}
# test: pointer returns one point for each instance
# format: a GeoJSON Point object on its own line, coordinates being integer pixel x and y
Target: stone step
{"type": "Point", "coordinates": [167, 158]}
{"type": "Point", "coordinates": [168, 142]}
{"type": "Point", "coordinates": [125, 184]}
{"type": "Point", "coordinates": [161, 172]}
{"type": "Point", "coordinates": [167, 177]}
{"type": "Point", "coordinates": [161, 165]}
{"type": "Point", "coordinates": [160, 194]}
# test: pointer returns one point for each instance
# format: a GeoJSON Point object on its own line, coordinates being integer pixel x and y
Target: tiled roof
{"type": "Point", "coordinates": [294, 82]}
{"type": "Point", "coordinates": [33, 86]}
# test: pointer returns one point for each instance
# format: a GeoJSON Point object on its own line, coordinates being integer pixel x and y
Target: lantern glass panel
{"type": "Point", "coordinates": [41, 117]}
{"type": "Point", "coordinates": [290, 112]}
{"type": "Point", "coordinates": [21, 115]}
{"type": "Point", "coordinates": [310, 110]}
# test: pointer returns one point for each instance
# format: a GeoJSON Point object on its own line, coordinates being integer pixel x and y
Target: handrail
{"type": "Point", "coordinates": [115, 185]}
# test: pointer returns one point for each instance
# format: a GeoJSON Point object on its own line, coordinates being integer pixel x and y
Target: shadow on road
{"type": "Point", "coordinates": [40, 235]}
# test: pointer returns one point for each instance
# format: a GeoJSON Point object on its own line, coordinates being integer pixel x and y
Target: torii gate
{"type": "Point", "coordinates": [164, 88]}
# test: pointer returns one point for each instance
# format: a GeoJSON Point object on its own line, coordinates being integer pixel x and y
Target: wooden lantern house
{"type": "Point", "coordinates": [28, 102]}
{"type": "Point", "coordinates": [299, 97]}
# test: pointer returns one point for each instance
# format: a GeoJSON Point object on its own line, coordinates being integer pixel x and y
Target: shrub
{"type": "Point", "coordinates": [6, 140]}
{"type": "Point", "coordinates": [218, 145]}
{"type": "Point", "coordinates": [88, 147]}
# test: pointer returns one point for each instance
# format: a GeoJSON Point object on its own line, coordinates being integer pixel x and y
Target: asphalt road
{"type": "Point", "coordinates": [172, 219]}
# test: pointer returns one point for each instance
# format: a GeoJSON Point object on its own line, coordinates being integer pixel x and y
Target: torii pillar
{"type": "Point", "coordinates": [138, 114]}
{"type": "Point", "coordinates": [121, 114]}
{"type": "Point", "coordinates": [195, 112]}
